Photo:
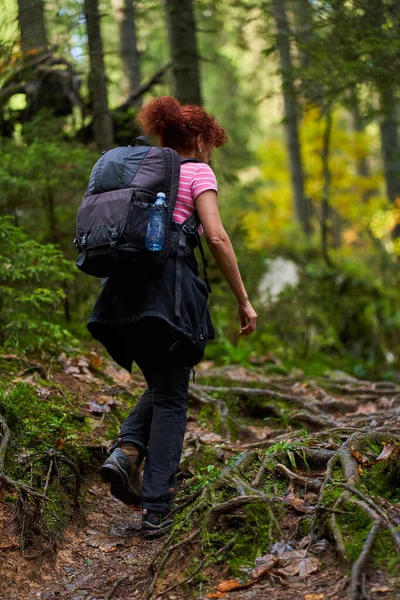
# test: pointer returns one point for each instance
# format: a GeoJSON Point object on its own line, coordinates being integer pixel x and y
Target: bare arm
{"type": "Point", "coordinates": [222, 250]}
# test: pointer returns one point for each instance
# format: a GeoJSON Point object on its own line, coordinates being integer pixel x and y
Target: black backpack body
{"type": "Point", "coordinates": [113, 216]}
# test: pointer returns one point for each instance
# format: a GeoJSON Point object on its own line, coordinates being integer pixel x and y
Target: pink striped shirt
{"type": "Point", "coordinates": [195, 179]}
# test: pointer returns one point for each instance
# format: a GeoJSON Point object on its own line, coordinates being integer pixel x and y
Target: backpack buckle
{"type": "Point", "coordinates": [83, 240]}
{"type": "Point", "coordinates": [187, 230]}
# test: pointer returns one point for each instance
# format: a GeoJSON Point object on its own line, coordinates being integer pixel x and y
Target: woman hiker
{"type": "Point", "coordinates": [155, 428]}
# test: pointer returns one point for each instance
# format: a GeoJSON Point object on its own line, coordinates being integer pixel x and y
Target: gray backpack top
{"type": "Point", "coordinates": [113, 216]}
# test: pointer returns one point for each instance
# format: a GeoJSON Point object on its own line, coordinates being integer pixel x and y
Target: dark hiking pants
{"type": "Point", "coordinates": [157, 425]}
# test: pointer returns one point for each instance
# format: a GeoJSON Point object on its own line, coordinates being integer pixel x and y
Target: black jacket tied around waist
{"type": "Point", "coordinates": [139, 312]}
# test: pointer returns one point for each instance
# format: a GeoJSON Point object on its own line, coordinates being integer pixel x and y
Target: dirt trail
{"type": "Point", "coordinates": [286, 445]}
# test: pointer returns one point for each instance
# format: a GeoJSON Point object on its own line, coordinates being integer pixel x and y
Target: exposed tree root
{"type": "Point", "coordinates": [340, 451]}
{"type": "Point", "coordinates": [31, 506]}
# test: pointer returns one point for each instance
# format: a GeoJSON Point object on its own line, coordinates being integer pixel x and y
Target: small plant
{"type": "Point", "coordinates": [32, 277]}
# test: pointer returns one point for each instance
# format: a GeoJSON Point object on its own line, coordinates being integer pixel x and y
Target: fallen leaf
{"type": "Point", "coordinates": [388, 449]}
{"type": "Point", "coordinates": [289, 562]}
{"type": "Point", "coordinates": [228, 584]}
{"type": "Point", "coordinates": [264, 567]}
{"type": "Point", "coordinates": [96, 408]}
{"type": "Point", "coordinates": [278, 548]}
{"type": "Point", "coordinates": [297, 503]}
{"type": "Point", "coordinates": [216, 595]}
{"type": "Point", "coordinates": [368, 408]}
{"type": "Point", "coordinates": [308, 565]}
{"type": "Point", "coordinates": [119, 376]}
{"type": "Point", "coordinates": [314, 597]}
{"type": "Point", "coordinates": [60, 444]}
{"type": "Point", "coordinates": [101, 541]}
{"type": "Point", "coordinates": [383, 589]}
{"type": "Point", "coordinates": [95, 361]}
{"type": "Point", "coordinates": [363, 460]}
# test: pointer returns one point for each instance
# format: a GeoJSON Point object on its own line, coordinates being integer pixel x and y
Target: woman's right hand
{"type": "Point", "coordinates": [248, 318]}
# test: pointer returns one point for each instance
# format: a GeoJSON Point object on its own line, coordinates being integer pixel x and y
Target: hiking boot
{"type": "Point", "coordinates": [121, 470]}
{"type": "Point", "coordinates": [155, 524]}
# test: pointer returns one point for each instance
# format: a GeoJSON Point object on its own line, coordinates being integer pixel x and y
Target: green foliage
{"type": "Point", "coordinates": [32, 276]}
{"type": "Point", "coordinates": [43, 176]}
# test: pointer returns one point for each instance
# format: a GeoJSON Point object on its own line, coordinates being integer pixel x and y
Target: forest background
{"type": "Point", "coordinates": [309, 181]}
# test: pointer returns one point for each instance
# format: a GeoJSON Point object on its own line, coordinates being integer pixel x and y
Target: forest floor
{"type": "Point", "coordinates": [289, 488]}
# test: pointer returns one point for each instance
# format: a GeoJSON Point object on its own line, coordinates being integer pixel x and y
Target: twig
{"type": "Point", "coordinates": [114, 587]}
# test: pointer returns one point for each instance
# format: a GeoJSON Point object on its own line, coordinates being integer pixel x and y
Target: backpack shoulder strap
{"type": "Point", "coordinates": [189, 229]}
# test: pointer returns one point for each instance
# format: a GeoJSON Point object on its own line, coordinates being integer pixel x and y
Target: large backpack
{"type": "Point", "coordinates": [112, 218]}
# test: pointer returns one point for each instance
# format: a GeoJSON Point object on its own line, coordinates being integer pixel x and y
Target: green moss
{"type": "Point", "coordinates": [383, 479]}
{"type": "Point", "coordinates": [38, 423]}
{"type": "Point", "coordinates": [385, 554]}
{"type": "Point", "coordinates": [254, 535]}
{"type": "Point", "coordinates": [354, 527]}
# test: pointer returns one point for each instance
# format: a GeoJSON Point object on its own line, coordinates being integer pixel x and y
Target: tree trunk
{"type": "Point", "coordinates": [125, 15]}
{"type": "Point", "coordinates": [390, 141]}
{"type": "Point", "coordinates": [32, 26]}
{"type": "Point", "coordinates": [183, 47]}
{"type": "Point", "coordinates": [302, 204]}
{"type": "Point", "coordinates": [326, 216]}
{"type": "Point", "coordinates": [376, 15]}
{"type": "Point", "coordinates": [102, 122]}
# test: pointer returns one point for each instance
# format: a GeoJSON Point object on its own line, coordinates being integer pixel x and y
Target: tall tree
{"type": "Point", "coordinates": [32, 26]}
{"type": "Point", "coordinates": [378, 20]}
{"type": "Point", "coordinates": [181, 26]}
{"type": "Point", "coordinates": [102, 122]}
{"type": "Point", "coordinates": [125, 14]}
{"type": "Point", "coordinates": [301, 202]}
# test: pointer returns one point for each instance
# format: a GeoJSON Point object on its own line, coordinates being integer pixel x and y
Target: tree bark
{"type": "Point", "coordinates": [102, 122]}
{"type": "Point", "coordinates": [390, 141]}
{"type": "Point", "coordinates": [302, 204]}
{"type": "Point", "coordinates": [126, 18]}
{"type": "Point", "coordinates": [32, 26]}
{"type": "Point", "coordinates": [181, 26]}
{"type": "Point", "coordinates": [376, 15]}
{"type": "Point", "coordinates": [325, 204]}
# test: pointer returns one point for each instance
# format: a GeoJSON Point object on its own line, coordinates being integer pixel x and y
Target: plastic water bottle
{"type": "Point", "coordinates": [156, 227]}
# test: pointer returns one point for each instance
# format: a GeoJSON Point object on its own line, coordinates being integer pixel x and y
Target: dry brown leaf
{"type": "Point", "coordinates": [367, 408]}
{"type": "Point", "coordinates": [314, 597]}
{"type": "Point", "coordinates": [216, 595]}
{"type": "Point", "coordinates": [297, 503]}
{"type": "Point", "coordinates": [94, 360]}
{"type": "Point", "coordinates": [363, 460]}
{"type": "Point", "coordinates": [119, 376]}
{"type": "Point", "coordinates": [383, 589]}
{"type": "Point", "coordinates": [264, 567]}
{"type": "Point", "coordinates": [388, 449]}
{"type": "Point", "coordinates": [101, 541]}
{"type": "Point", "coordinates": [308, 565]}
{"type": "Point", "coordinates": [228, 585]}
{"type": "Point", "coordinates": [60, 444]}
{"type": "Point", "coordinates": [289, 562]}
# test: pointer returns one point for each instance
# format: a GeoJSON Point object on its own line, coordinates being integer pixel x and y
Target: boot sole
{"type": "Point", "coordinates": [121, 488]}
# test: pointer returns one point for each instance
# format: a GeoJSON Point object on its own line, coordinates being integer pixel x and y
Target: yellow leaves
{"type": "Point", "coordinates": [359, 199]}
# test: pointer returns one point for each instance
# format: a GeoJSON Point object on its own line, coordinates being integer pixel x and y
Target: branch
{"type": "Point", "coordinates": [144, 87]}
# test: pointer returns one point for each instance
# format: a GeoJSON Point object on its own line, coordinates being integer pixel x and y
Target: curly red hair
{"type": "Point", "coordinates": [177, 126]}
